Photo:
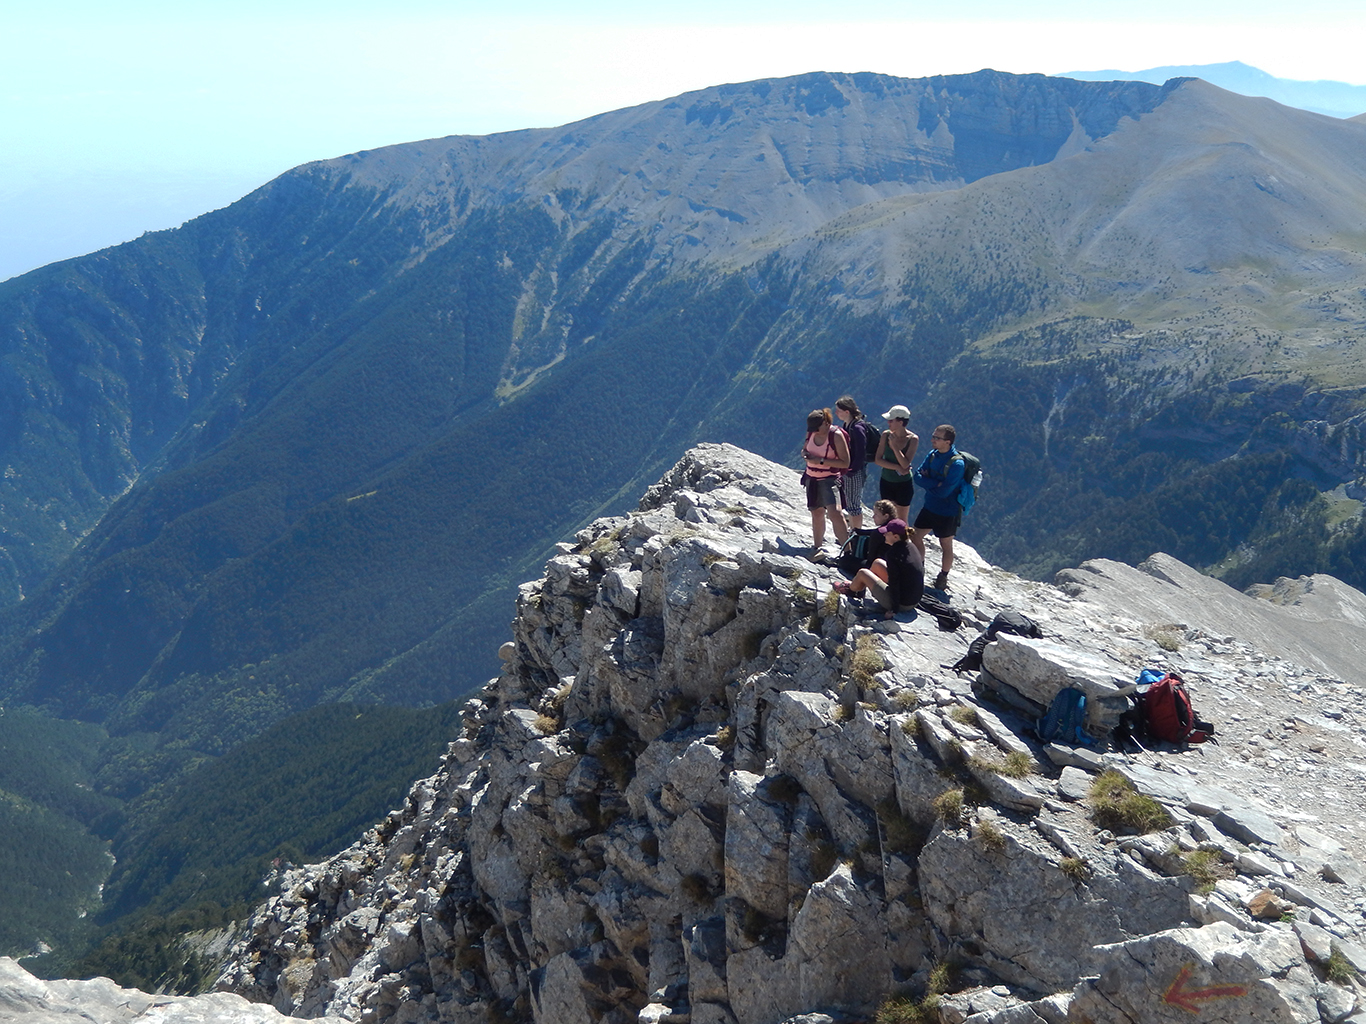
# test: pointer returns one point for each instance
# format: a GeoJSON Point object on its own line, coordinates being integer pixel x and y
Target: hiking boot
{"type": "Point", "coordinates": [941, 582]}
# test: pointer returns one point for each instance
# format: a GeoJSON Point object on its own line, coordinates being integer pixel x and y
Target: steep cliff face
{"type": "Point", "coordinates": [704, 789]}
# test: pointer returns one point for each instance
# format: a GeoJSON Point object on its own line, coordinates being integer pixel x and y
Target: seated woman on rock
{"type": "Point", "coordinates": [905, 573]}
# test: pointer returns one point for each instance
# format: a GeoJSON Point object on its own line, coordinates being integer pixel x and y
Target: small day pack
{"type": "Point", "coordinates": [857, 552]}
{"type": "Point", "coordinates": [863, 439]}
{"type": "Point", "coordinates": [872, 437]}
{"type": "Point", "coordinates": [1165, 711]}
{"type": "Point", "coordinates": [947, 616]}
{"type": "Point", "coordinates": [972, 476]}
{"type": "Point", "coordinates": [1013, 622]}
{"type": "Point", "coordinates": [1065, 721]}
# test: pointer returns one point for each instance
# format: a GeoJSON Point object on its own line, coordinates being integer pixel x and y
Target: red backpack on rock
{"type": "Point", "coordinates": [1165, 711]}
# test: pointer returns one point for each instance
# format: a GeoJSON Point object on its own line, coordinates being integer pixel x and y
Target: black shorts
{"type": "Point", "coordinates": [822, 492]}
{"type": "Point", "coordinates": [898, 492]}
{"type": "Point", "coordinates": [940, 526]}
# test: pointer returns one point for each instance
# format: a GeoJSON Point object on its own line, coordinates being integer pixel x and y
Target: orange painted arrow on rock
{"type": "Point", "coordinates": [1189, 999]}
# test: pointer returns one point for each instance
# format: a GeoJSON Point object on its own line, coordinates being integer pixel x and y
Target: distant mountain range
{"type": "Point", "coordinates": [1336, 99]}
{"type": "Point", "coordinates": [303, 449]}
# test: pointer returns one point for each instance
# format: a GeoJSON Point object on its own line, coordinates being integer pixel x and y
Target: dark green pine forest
{"type": "Point", "coordinates": [268, 482]}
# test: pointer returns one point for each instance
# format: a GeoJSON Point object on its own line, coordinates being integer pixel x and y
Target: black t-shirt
{"type": "Point", "coordinates": [905, 573]}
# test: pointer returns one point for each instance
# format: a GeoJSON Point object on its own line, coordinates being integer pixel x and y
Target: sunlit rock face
{"type": "Point", "coordinates": [705, 787]}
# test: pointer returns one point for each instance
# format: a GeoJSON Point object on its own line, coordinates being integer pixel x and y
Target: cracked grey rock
{"type": "Point", "coordinates": [728, 825]}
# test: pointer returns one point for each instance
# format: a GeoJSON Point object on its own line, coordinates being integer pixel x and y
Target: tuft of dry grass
{"type": "Point", "coordinates": [1206, 867]}
{"type": "Point", "coordinates": [866, 663]}
{"type": "Point", "coordinates": [1075, 868]}
{"type": "Point", "coordinates": [943, 978]}
{"type": "Point", "coordinates": [991, 837]}
{"type": "Point", "coordinates": [904, 1010]}
{"type": "Point", "coordinates": [963, 715]}
{"type": "Point", "coordinates": [1338, 968]}
{"type": "Point", "coordinates": [1015, 765]}
{"type": "Point", "coordinates": [1168, 636]}
{"type": "Point", "coordinates": [831, 605]}
{"type": "Point", "coordinates": [1119, 807]}
{"type": "Point", "coordinates": [949, 806]}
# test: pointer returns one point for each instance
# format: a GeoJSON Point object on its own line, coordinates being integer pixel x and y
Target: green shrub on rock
{"type": "Point", "coordinates": [1118, 806]}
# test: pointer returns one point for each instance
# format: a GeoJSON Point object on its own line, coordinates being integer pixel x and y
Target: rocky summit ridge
{"type": "Point", "coordinates": [705, 789]}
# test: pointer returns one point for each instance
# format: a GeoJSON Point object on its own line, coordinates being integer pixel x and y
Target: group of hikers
{"type": "Point", "coordinates": [891, 555]}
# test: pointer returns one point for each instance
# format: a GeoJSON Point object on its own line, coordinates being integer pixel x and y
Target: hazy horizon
{"type": "Point", "coordinates": [120, 121]}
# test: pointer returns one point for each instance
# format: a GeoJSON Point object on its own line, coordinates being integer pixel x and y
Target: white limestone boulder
{"type": "Point", "coordinates": [1039, 669]}
{"type": "Point", "coordinates": [1215, 974]}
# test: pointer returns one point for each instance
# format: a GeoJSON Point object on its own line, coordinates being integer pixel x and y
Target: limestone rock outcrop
{"type": "Point", "coordinates": [25, 999]}
{"type": "Point", "coordinates": [705, 788]}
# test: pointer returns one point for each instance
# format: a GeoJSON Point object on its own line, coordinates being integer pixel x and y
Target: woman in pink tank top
{"type": "Point", "coordinates": [826, 452]}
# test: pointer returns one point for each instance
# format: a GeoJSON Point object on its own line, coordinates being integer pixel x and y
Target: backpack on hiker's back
{"type": "Point", "coordinates": [863, 441]}
{"type": "Point", "coordinates": [972, 477]}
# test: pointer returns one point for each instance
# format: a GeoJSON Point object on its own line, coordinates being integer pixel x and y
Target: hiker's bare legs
{"type": "Point", "coordinates": [946, 561]}
{"type": "Point", "coordinates": [917, 539]}
{"type": "Point", "coordinates": [817, 527]}
{"type": "Point", "coordinates": [837, 521]}
{"type": "Point", "coordinates": [875, 573]}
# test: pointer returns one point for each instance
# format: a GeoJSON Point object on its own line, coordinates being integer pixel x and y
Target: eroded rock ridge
{"type": "Point", "coordinates": [705, 789]}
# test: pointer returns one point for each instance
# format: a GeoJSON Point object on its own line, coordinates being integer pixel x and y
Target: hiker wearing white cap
{"type": "Point", "coordinates": [895, 451]}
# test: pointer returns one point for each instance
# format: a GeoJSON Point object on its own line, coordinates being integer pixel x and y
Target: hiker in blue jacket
{"type": "Point", "coordinates": [940, 476]}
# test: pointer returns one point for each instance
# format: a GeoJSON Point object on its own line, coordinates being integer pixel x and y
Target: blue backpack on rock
{"type": "Point", "coordinates": [1066, 719]}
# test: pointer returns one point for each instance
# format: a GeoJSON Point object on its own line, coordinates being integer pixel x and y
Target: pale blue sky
{"type": "Point", "coordinates": [119, 118]}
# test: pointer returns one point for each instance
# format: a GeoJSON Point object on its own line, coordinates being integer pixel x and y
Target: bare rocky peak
{"type": "Point", "coordinates": [1214, 215]}
{"type": "Point", "coordinates": [756, 164]}
{"type": "Point", "coordinates": [1209, 211]}
{"type": "Point", "coordinates": [1315, 621]}
{"type": "Point", "coordinates": [705, 789]}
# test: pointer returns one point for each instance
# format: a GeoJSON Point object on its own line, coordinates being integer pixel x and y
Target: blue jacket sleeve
{"type": "Point", "coordinates": [937, 486]}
